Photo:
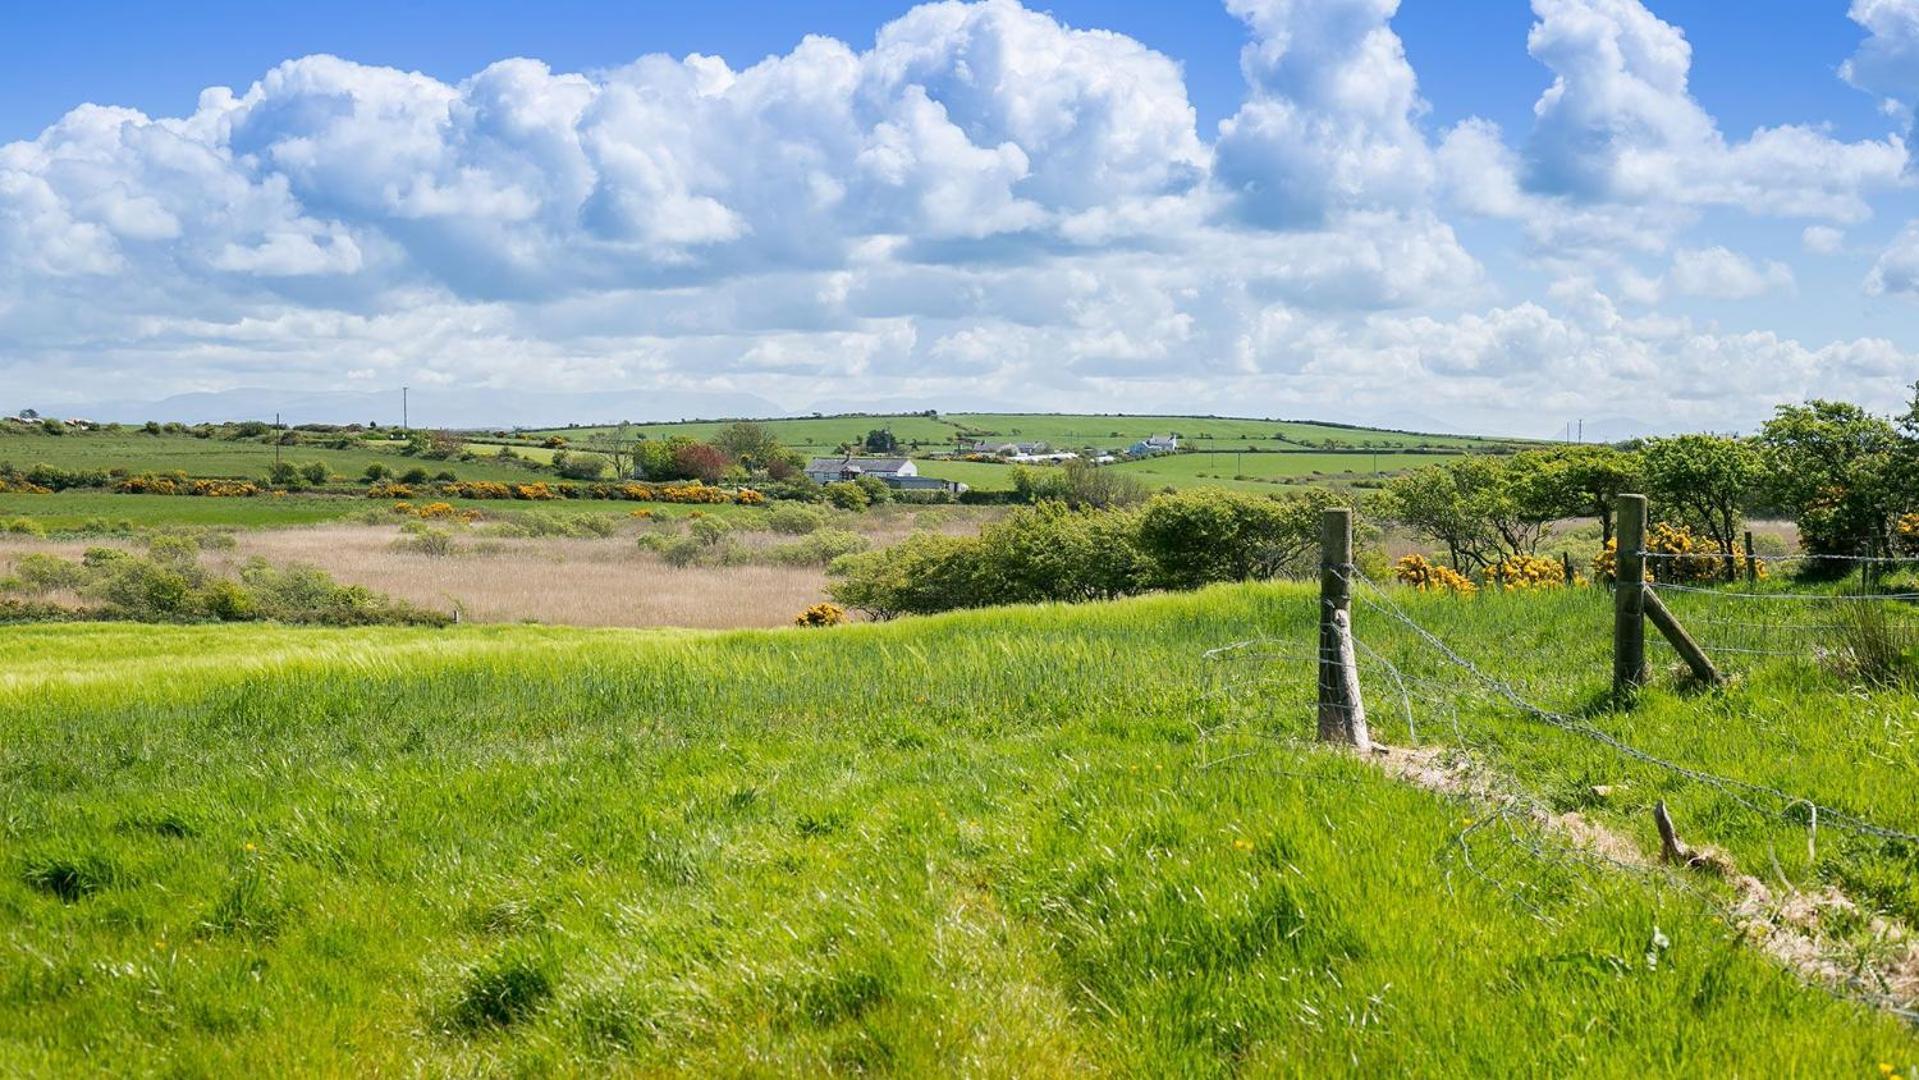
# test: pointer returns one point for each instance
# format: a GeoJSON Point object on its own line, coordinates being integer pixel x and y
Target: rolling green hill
{"type": "Point", "coordinates": [1063, 431]}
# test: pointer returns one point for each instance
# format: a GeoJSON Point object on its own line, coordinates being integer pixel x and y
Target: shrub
{"type": "Point", "coordinates": [1414, 570]}
{"type": "Point", "coordinates": [40, 572]}
{"type": "Point", "coordinates": [579, 466]}
{"type": "Point", "coordinates": [708, 531]}
{"type": "Point", "coordinates": [1905, 534]}
{"type": "Point", "coordinates": [434, 543]}
{"type": "Point", "coordinates": [821, 615]}
{"type": "Point", "coordinates": [1526, 572]}
{"type": "Point", "coordinates": [314, 473]}
{"type": "Point", "coordinates": [1205, 536]}
{"type": "Point", "coordinates": [819, 549]}
{"type": "Point", "coordinates": [377, 472]}
{"type": "Point", "coordinates": [847, 496]}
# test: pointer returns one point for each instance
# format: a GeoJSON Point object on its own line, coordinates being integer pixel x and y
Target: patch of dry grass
{"type": "Point", "coordinates": [562, 581]}
{"type": "Point", "coordinates": [600, 582]}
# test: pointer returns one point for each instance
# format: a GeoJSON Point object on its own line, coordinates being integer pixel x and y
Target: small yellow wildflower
{"type": "Point", "coordinates": [250, 846]}
{"type": "Point", "coordinates": [1242, 844]}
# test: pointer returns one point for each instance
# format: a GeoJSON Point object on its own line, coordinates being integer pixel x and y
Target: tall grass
{"type": "Point", "coordinates": [1037, 841]}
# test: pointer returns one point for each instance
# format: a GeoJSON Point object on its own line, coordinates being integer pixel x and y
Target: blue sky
{"type": "Point", "coordinates": [1078, 205]}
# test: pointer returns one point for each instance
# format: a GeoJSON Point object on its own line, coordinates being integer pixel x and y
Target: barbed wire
{"type": "Point", "coordinates": [1740, 791]}
{"type": "Point", "coordinates": [1519, 848]}
{"type": "Point", "coordinates": [1727, 594]}
{"type": "Point", "coordinates": [1740, 557]}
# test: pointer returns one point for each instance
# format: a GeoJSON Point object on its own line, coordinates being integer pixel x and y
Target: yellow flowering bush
{"type": "Point", "coordinates": [437, 511]}
{"type": "Point", "coordinates": [389, 490]}
{"type": "Point", "coordinates": [1684, 557]}
{"type": "Point", "coordinates": [1414, 570]}
{"type": "Point", "coordinates": [1526, 572]}
{"type": "Point", "coordinates": [1905, 534]}
{"type": "Point", "coordinates": [179, 484]}
{"type": "Point", "coordinates": [821, 615]}
{"type": "Point", "coordinates": [223, 489]}
{"type": "Point", "coordinates": [23, 487]}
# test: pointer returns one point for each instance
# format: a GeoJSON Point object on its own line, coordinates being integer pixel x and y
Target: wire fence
{"type": "Point", "coordinates": [1469, 702]}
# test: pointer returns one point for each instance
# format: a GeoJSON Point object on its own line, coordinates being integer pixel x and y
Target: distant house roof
{"type": "Point", "coordinates": [871, 466]}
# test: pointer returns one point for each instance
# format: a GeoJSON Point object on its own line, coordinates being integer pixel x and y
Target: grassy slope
{"type": "Point", "coordinates": [1065, 430]}
{"type": "Point", "coordinates": [243, 459]}
{"type": "Point", "coordinates": [948, 845]}
{"type": "Point", "coordinates": [1220, 469]}
{"type": "Point", "coordinates": [72, 509]}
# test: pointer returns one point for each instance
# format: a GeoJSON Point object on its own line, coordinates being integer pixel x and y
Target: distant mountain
{"type": "Point", "coordinates": [434, 407]}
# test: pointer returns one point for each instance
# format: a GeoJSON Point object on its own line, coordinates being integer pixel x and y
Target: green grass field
{"type": "Point", "coordinates": [1026, 841]}
{"type": "Point", "coordinates": [1065, 431]}
{"type": "Point", "coordinates": [239, 459]}
{"type": "Point", "coordinates": [73, 509]}
{"type": "Point", "coordinates": [1222, 469]}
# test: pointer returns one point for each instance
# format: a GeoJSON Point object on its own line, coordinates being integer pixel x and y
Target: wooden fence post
{"type": "Point", "coordinates": [1629, 598]}
{"type": "Point", "coordinates": [1752, 560]}
{"type": "Point", "coordinates": [1566, 565]}
{"type": "Point", "coordinates": [1342, 711]}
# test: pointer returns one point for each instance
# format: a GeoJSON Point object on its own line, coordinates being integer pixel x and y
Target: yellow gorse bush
{"type": "Point", "coordinates": [631, 491]}
{"type": "Point", "coordinates": [1905, 534]}
{"type": "Point", "coordinates": [1526, 572]}
{"type": "Point", "coordinates": [1682, 557]}
{"type": "Point", "coordinates": [179, 484]}
{"type": "Point", "coordinates": [437, 511]}
{"type": "Point", "coordinates": [23, 487]}
{"type": "Point", "coordinates": [1414, 570]}
{"type": "Point", "coordinates": [821, 615]}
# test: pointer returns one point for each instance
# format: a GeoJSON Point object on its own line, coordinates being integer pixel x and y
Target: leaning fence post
{"type": "Point", "coordinates": [1629, 598]}
{"type": "Point", "coordinates": [1752, 560]}
{"type": "Point", "coordinates": [1342, 711]}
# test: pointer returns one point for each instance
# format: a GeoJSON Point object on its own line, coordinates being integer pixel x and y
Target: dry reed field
{"type": "Point", "coordinates": [573, 582]}
{"type": "Point", "coordinates": [591, 582]}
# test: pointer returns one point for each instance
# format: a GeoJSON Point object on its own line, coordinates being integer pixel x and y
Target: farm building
{"type": "Point", "coordinates": [1155, 444]}
{"type": "Point", "coordinates": [899, 473]}
{"type": "Point", "coordinates": [1002, 448]}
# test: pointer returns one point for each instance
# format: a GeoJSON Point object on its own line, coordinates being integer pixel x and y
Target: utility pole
{"type": "Point", "coordinates": [276, 440]}
{"type": "Point", "coordinates": [406, 425]}
{"type": "Point", "coordinates": [1582, 430]}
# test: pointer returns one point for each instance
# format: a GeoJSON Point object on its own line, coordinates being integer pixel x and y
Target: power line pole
{"type": "Point", "coordinates": [276, 440]}
{"type": "Point", "coordinates": [405, 423]}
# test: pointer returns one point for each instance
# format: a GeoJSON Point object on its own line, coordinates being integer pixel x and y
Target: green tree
{"type": "Point", "coordinates": [1709, 480]}
{"type": "Point", "coordinates": [750, 443]}
{"type": "Point", "coordinates": [881, 441]}
{"type": "Point", "coordinates": [847, 495]}
{"type": "Point", "coordinates": [1838, 470]}
{"type": "Point", "coordinates": [1207, 535]}
{"type": "Point", "coordinates": [1586, 481]}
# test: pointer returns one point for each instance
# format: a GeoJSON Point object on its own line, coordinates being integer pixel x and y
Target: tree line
{"type": "Point", "coordinates": [1844, 476]}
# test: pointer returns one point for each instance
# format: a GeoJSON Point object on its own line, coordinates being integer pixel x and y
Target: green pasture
{"type": "Point", "coordinates": [1063, 431]}
{"type": "Point", "coordinates": [1041, 842]}
{"type": "Point", "coordinates": [1262, 470]}
{"type": "Point", "coordinates": [74, 509]}
{"type": "Point", "coordinates": [246, 459]}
